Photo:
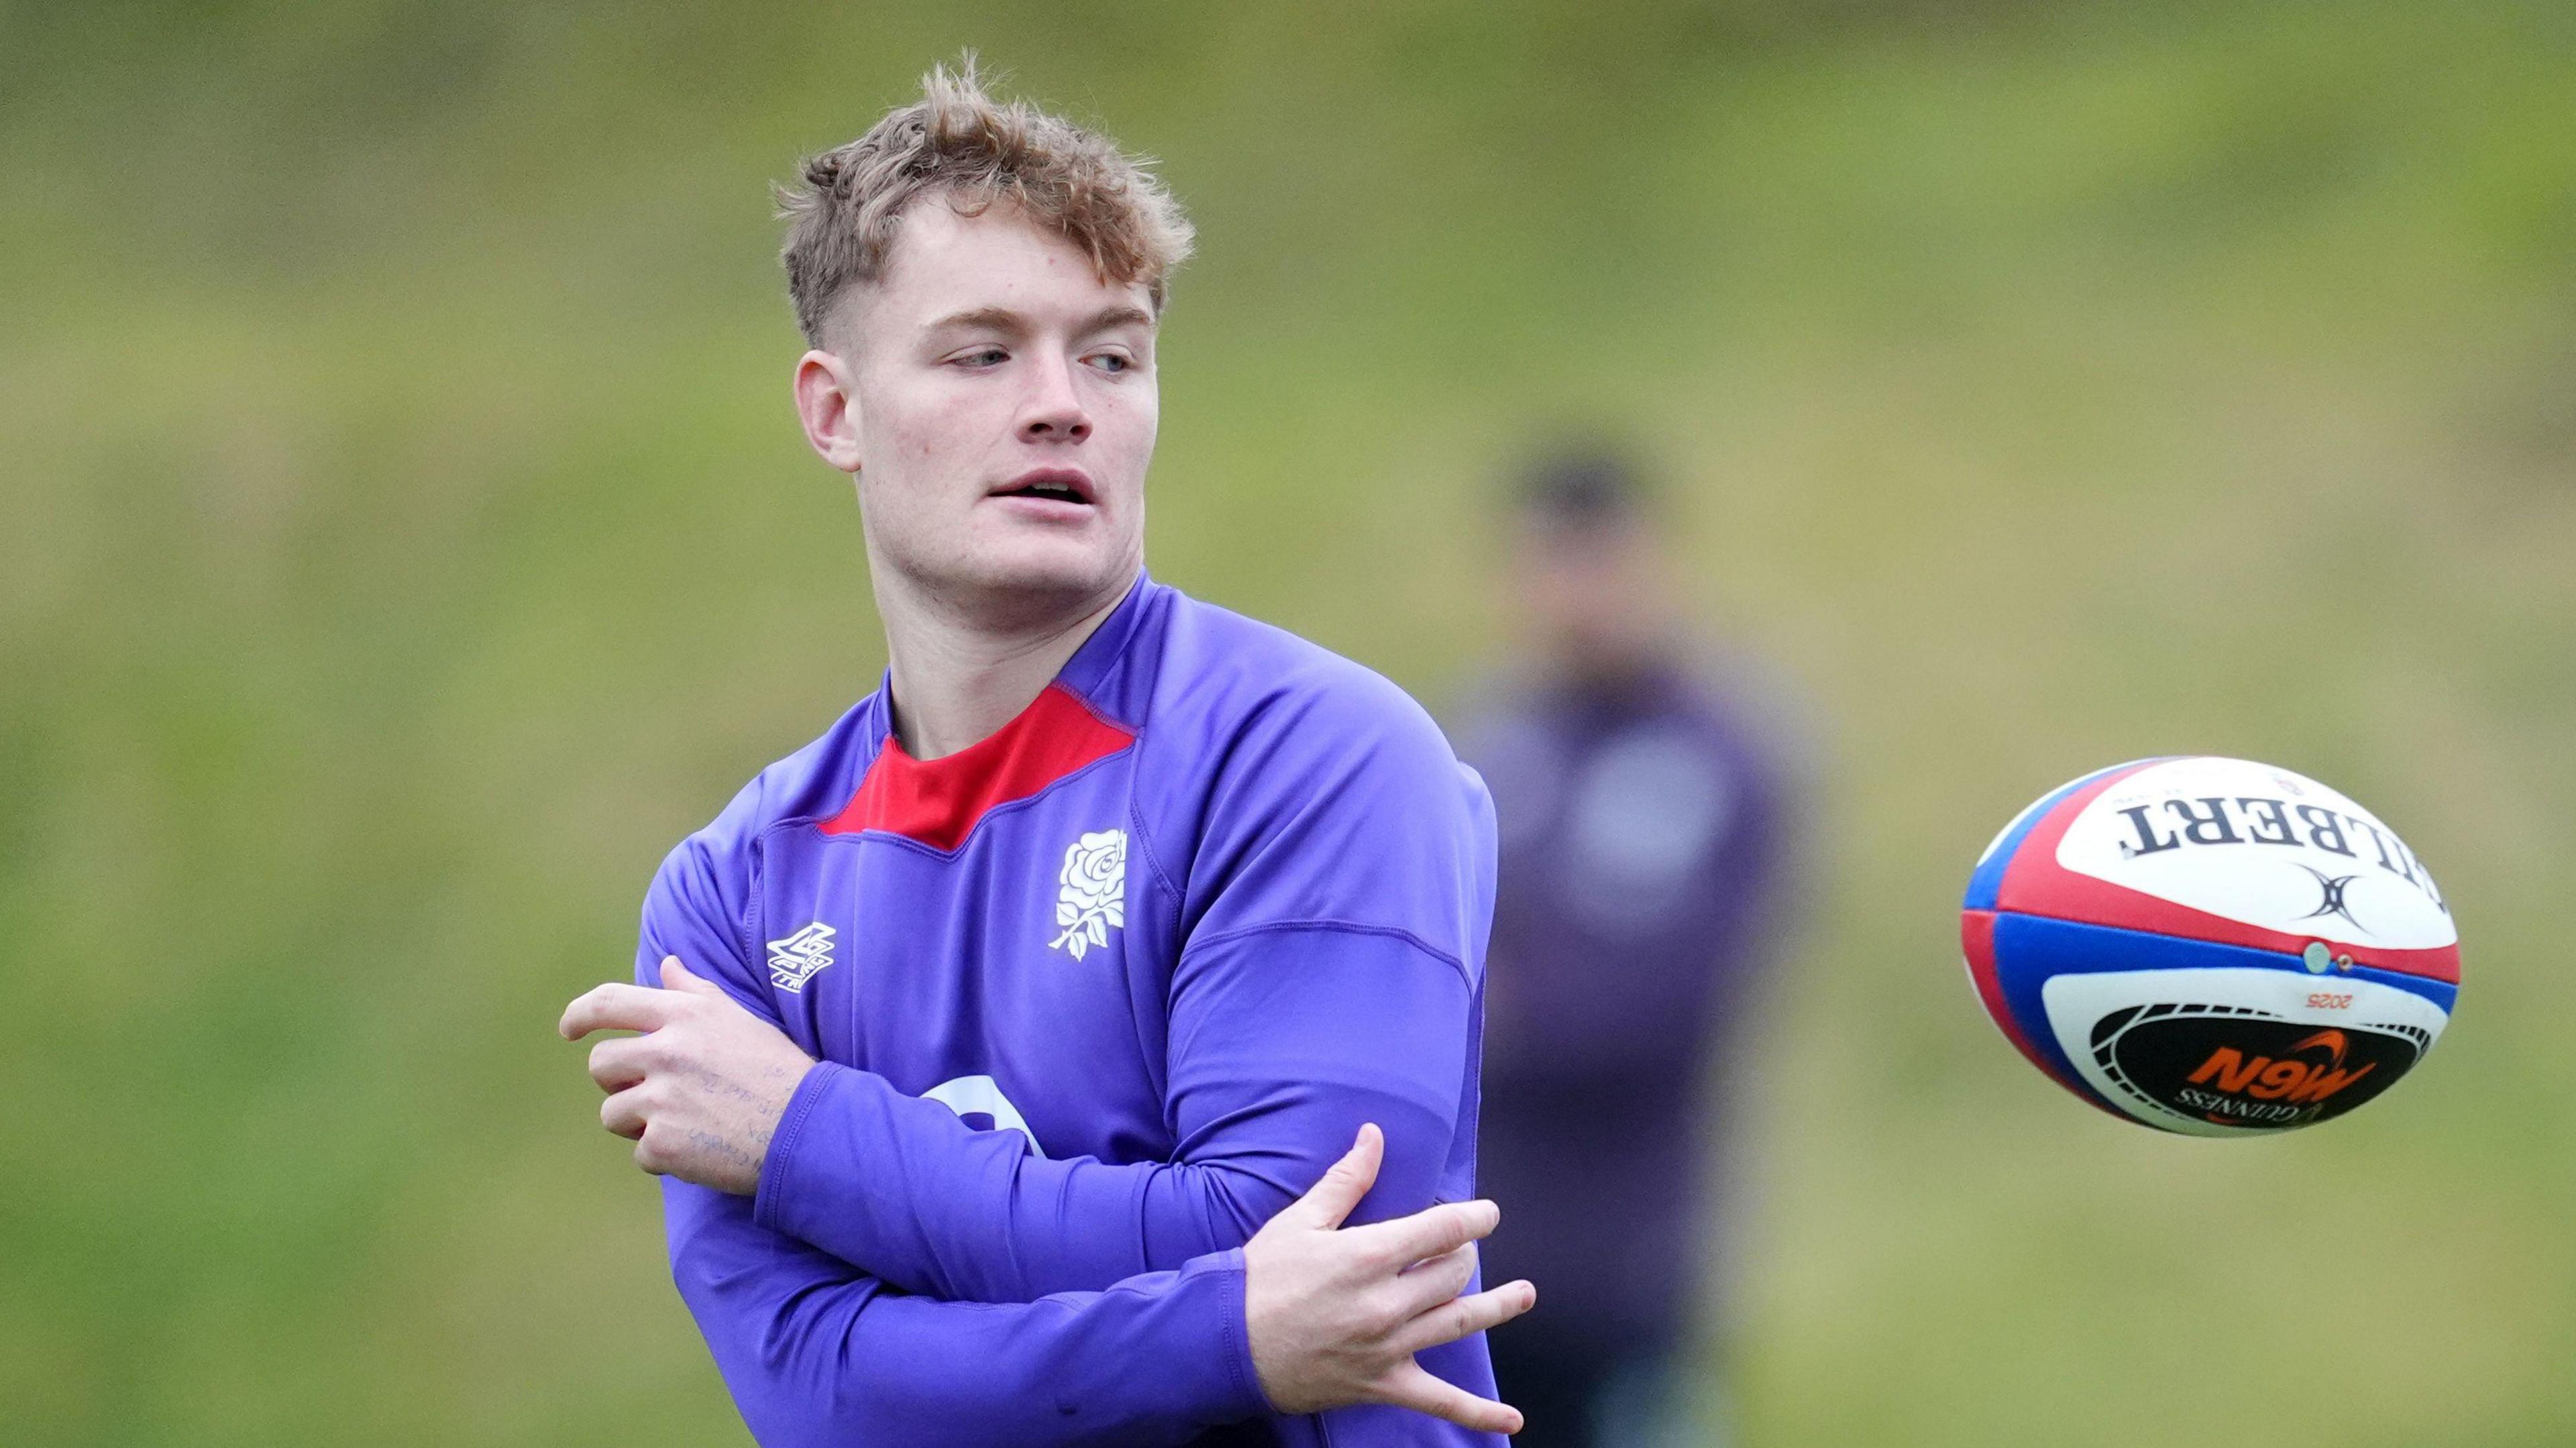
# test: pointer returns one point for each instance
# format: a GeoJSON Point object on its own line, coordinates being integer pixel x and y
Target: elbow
{"type": "Point", "coordinates": [783, 1354]}
{"type": "Point", "coordinates": [1238, 1203]}
{"type": "Point", "coordinates": [1241, 1195]}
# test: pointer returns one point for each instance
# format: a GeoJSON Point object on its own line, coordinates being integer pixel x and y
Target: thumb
{"type": "Point", "coordinates": [676, 976]}
{"type": "Point", "coordinates": [1331, 1200]}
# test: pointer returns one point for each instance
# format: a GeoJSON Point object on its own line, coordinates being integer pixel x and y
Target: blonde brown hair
{"type": "Point", "coordinates": [960, 143]}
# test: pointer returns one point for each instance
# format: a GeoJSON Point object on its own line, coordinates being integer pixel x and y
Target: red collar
{"type": "Point", "coordinates": [940, 801]}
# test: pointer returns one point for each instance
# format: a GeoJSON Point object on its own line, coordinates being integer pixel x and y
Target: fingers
{"type": "Point", "coordinates": [1426, 1285]}
{"type": "Point", "coordinates": [1433, 1231]}
{"type": "Point", "coordinates": [619, 1061]}
{"type": "Point", "coordinates": [1344, 1183]}
{"type": "Point", "coordinates": [1461, 1316]}
{"type": "Point", "coordinates": [623, 1115]}
{"type": "Point", "coordinates": [1412, 1386]}
{"type": "Point", "coordinates": [676, 976]}
{"type": "Point", "coordinates": [616, 1007]}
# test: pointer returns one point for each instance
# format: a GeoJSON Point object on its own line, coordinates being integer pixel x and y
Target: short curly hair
{"type": "Point", "coordinates": [959, 141]}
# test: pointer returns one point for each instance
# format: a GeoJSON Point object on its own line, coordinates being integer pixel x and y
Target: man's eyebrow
{"type": "Point", "coordinates": [1003, 319]}
{"type": "Point", "coordinates": [996, 319]}
{"type": "Point", "coordinates": [1119, 317]}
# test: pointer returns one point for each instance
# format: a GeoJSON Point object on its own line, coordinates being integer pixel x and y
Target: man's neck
{"type": "Point", "coordinates": [1608, 669]}
{"type": "Point", "coordinates": [959, 674]}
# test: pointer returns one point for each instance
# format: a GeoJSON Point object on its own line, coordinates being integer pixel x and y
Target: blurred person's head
{"type": "Point", "coordinates": [979, 286]}
{"type": "Point", "coordinates": [1592, 589]}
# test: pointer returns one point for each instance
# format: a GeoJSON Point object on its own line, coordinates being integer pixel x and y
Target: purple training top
{"type": "Point", "coordinates": [1094, 998]}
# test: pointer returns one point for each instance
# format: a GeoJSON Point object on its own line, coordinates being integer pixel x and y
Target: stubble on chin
{"type": "Point", "coordinates": [992, 590]}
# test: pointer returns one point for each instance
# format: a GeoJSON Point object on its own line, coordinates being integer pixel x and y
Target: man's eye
{"type": "Point", "coordinates": [985, 357]}
{"type": "Point", "coordinates": [1111, 362]}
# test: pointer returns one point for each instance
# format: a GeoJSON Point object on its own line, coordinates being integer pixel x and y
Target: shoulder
{"type": "Point", "coordinates": [1263, 747]}
{"type": "Point", "coordinates": [1224, 673]}
{"type": "Point", "coordinates": [1238, 694]}
{"type": "Point", "coordinates": [1753, 712]}
{"type": "Point", "coordinates": [1290, 787]}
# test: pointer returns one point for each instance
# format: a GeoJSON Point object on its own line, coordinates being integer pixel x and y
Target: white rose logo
{"type": "Point", "coordinates": [1092, 898]}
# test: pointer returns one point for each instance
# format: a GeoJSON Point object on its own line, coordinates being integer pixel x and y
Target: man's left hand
{"type": "Point", "coordinates": [701, 1091]}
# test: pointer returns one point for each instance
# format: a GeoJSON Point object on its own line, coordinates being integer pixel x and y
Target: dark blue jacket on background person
{"type": "Point", "coordinates": [1645, 844]}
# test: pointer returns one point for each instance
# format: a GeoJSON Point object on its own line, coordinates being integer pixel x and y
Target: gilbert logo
{"type": "Point", "coordinates": [793, 961]}
{"type": "Point", "coordinates": [1091, 892]}
{"type": "Point", "coordinates": [2260, 820]}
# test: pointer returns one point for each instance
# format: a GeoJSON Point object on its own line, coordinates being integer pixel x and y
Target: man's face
{"type": "Point", "coordinates": [1002, 412]}
{"type": "Point", "coordinates": [1594, 593]}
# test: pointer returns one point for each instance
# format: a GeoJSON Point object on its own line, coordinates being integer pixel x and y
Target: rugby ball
{"type": "Point", "coordinates": [2210, 946]}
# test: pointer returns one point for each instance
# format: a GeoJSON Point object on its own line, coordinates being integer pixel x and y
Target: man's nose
{"type": "Point", "coordinates": [1054, 411]}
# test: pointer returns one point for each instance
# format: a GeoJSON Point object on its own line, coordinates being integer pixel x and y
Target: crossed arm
{"type": "Point", "coordinates": [1281, 1043]}
{"type": "Point", "coordinates": [1051, 1280]}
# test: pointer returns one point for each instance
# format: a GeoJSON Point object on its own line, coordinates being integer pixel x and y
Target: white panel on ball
{"type": "Point", "coordinates": [2397, 1025]}
{"type": "Point", "coordinates": [2261, 846]}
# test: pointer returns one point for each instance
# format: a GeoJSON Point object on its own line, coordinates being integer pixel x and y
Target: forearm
{"type": "Point", "coordinates": [902, 1188]}
{"type": "Point", "coordinates": [818, 1354]}
{"type": "Point", "coordinates": [1266, 1094]}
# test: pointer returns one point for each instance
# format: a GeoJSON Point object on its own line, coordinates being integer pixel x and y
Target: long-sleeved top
{"type": "Point", "coordinates": [1093, 999]}
{"type": "Point", "coordinates": [1645, 827]}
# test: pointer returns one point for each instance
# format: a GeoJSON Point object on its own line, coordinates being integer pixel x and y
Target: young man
{"type": "Point", "coordinates": [992, 1027]}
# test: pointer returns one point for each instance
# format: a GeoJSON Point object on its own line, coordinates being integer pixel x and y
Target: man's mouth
{"type": "Point", "coordinates": [1054, 485]}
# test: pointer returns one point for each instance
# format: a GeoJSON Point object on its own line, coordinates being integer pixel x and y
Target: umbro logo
{"type": "Point", "coordinates": [793, 961]}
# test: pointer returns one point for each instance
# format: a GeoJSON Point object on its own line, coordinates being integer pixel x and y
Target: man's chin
{"type": "Point", "coordinates": [1045, 579]}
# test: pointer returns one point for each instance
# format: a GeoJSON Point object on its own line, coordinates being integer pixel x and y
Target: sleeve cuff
{"type": "Point", "coordinates": [768, 1201]}
{"type": "Point", "coordinates": [1246, 1399]}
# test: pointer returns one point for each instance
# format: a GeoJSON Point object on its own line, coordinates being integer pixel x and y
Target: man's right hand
{"type": "Point", "coordinates": [1336, 1314]}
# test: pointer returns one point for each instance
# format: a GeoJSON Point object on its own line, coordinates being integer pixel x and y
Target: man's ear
{"type": "Point", "coordinates": [827, 402]}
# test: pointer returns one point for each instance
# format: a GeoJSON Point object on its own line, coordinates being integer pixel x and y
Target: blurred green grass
{"type": "Point", "coordinates": [408, 541]}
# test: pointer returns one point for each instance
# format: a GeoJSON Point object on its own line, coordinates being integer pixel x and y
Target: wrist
{"type": "Point", "coordinates": [1242, 1366]}
{"type": "Point", "coordinates": [776, 1186]}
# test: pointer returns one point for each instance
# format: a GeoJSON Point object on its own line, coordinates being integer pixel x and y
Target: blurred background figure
{"type": "Point", "coordinates": [1645, 825]}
